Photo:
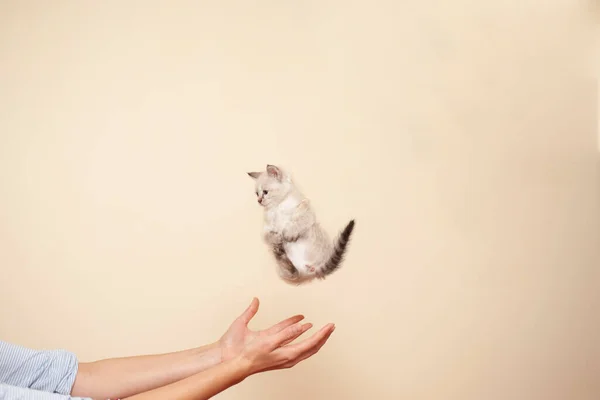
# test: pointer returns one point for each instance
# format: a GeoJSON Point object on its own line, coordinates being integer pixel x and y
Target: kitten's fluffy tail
{"type": "Point", "coordinates": [339, 250]}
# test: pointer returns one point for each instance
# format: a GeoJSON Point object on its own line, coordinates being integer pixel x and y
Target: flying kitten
{"type": "Point", "coordinates": [301, 247]}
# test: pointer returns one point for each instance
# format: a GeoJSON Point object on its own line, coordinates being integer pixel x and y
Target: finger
{"type": "Point", "coordinates": [284, 324]}
{"type": "Point", "coordinates": [310, 352]}
{"type": "Point", "coordinates": [296, 357]}
{"type": "Point", "coordinates": [294, 338]}
{"type": "Point", "coordinates": [312, 341]}
{"type": "Point", "coordinates": [250, 312]}
{"type": "Point", "coordinates": [314, 350]}
{"type": "Point", "coordinates": [289, 334]}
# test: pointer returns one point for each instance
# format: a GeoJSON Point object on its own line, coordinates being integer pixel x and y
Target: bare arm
{"type": "Point", "coordinates": [263, 353]}
{"type": "Point", "coordinates": [122, 377]}
{"type": "Point", "coordinates": [118, 378]}
{"type": "Point", "coordinates": [200, 386]}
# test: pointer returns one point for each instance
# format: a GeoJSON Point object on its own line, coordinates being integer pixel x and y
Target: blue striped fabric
{"type": "Point", "coordinates": [36, 374]}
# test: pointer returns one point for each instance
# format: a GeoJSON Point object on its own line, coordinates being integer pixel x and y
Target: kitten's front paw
{"type": "Point", "coordinates": [273, 237]}
{"type": "Point", "coordinates": [303, 205]}
{"type": "Point", "coordinates": [290, 237]}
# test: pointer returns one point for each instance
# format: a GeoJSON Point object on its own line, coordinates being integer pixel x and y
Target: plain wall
{"type": "Point", "coordinates": [461, 136]}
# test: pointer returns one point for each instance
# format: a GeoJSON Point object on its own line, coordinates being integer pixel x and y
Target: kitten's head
{"type": "Point", "coordinates": [271, 186]}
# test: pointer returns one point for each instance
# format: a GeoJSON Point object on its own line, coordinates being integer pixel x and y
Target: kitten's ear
{"type": "Point", "coordinates": [274, 172]}
{"type": "Point", "coordinates": [254, 175]}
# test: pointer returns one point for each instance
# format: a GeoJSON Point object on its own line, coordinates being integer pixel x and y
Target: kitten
{"type": "Point", "coordinates": [301, 247]}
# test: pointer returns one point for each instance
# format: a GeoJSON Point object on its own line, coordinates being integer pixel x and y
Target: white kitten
{"type": "Point", "coordinates": [301, 247]}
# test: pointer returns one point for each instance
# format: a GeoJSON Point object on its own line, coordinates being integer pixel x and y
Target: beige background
{"type": "Point", "coordinates": [460, 134]}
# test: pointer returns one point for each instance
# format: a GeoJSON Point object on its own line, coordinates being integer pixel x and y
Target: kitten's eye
{"type": "Point", "coordinates": [265, 192]}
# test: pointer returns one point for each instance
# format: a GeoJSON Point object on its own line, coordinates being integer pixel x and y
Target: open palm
{"type": "Point", "coordinates": [238, 335]}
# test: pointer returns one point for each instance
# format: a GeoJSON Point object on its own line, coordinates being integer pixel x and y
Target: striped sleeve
{"type": "Point", "coordinates": [8, 392]}
{"type": "Point", "coordinates": [51, 371]}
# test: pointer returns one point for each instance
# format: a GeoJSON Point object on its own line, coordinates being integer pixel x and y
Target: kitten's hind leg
{"type": "Point", "coordinates": [286, 269]}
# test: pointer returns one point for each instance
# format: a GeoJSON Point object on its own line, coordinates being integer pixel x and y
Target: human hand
{"type": "Point", "coordinates": [273, 351]}
{"type": "Point", "coordinates": [233, 342]}
{"type": "Point", "coordinates": [238, 334]}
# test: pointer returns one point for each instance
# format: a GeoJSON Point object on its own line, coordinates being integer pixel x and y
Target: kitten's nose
{"type": "Point", "coordinates": [260, 200]}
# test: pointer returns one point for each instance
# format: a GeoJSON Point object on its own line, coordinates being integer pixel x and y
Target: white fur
{"type": "Point", "coordinates": [297, 252]}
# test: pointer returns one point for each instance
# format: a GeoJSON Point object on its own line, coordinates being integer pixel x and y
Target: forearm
{"type": "Point", "coordinates": [201, 386]}
{"type": "Point", "coordinates": [122, 377]}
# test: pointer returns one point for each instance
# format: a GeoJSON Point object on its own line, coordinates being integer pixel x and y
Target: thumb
{"type": "Point", "coordinates": [250, 312]}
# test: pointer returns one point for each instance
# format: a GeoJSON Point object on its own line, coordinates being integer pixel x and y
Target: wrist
{"type": "Point", "coordinates": [242, 365]}
{"type": "Point", "coordinates": [208, 355]}
{"type": "Point", "coordinates": [211, 347]}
